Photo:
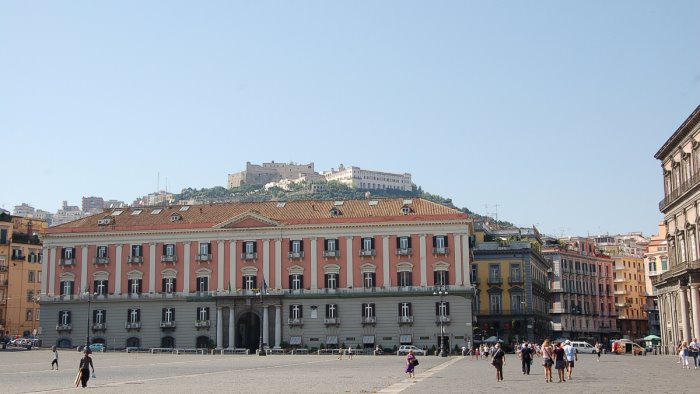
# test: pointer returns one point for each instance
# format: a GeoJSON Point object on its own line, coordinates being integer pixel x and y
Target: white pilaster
{"type": "Point", "coordinates": [220, 267]}
{"type": "Point", "coordinates": [423, 262]}
{"type": "Point", "coordinates": [459, 267]}
{"type": "Point", "coordinates": [186, 267]}
{"type": "Point", "coordinates": [232, 268]}
{"type": "Point", "coordinates": [151, 268]}
{"type": "Point", "coordinates": [349, 254]}
{"type": "Point", "coordinates": [314, 264]}
{"type": "Point", "coordinates": [696, 309]}
{"type": "Point", "coordinates": [385, 261]}
{"type": "Point", "coordinates": [278, 263]}
{"type": "Point", "coordinates": [83, 269]}
{"type": "Point", "coordinates": [52, 274]}
{"type": "Point", "coordinates": [118, 269]}
{"type": "Point", "coordinates": [45, 269]}
{"type": "Point", "coordinates": [266, 261]}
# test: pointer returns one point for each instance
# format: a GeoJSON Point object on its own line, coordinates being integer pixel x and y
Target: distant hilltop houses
{"type": "Point", "coordinates": [271, 175]}
{"type": "Point", "coordinates": [283, 175]}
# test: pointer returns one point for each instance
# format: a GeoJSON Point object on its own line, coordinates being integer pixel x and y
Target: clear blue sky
{"type": "Point", "coordinates": [551, 110]}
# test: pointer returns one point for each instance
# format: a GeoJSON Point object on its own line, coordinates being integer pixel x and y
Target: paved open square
{"type": "Point", "coordinates": [118, 372]}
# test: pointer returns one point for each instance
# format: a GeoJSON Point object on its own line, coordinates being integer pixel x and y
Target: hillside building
{"type": "Point", "coordinates": [358, 178]}
{"type": "Point", "coordinates": [269, 172]}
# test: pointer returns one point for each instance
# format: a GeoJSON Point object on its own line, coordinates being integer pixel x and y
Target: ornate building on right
{"type": "Point", "coordinates": [677, 288]}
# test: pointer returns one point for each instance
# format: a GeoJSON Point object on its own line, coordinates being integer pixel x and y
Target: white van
{"type": "Point", "coordinates": [583, 347]}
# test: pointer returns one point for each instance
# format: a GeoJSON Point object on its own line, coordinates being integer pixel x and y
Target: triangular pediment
{"type": "Point", "coordinates": [249, 219]}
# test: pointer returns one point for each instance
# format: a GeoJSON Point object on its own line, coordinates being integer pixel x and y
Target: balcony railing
{"type": "Point", "coordinates": [405, 320]}
{"type": "Point", "coordinates": [202, 257]}
{"type": "Point", "coordinates": [331, 253]}
{"type": "Point", "coordinates": [367, 252]}
{"type": "Point", "coordinates": [167, 324]}
{"type": "Point", "coordinates": [296, 255]}
{"type": "Point", "coordinates": [202, 323]}
{"type": "Point", "coordinates": [249, 256]}
{"type": "Point", "coordinates": [676, 193]}
{"type": "Point", "coordinates": [133, 325]}
{"type": "Point", "coordinates": [331, 321]}
{"type": "Point", "coordinates": [295, 321]}
{"type": "Point", "coordinates": [64, 327]}
{"type": "Point", "coordinates": [168, 258]}
{"type": "Point", "coordinates": [99, 326]}
{"type": "Point", "coordinates": [134, 259]}
{"type": "Point", "coordinates": [404, 252]}
{"type": "Point", "coordinates": [515, 280]}
{"type": "Point", "coordinates": [442, 319]}
{"type": "Point", "coordinates": [18, 257]}
{"type": "Point", "coordinates": [369, 320]}
{"type": "Point", "coordinates": [495, 280]}
{"type": "Point", "coordinates": [101, 260]}
{"type": "Point", "coordinates": [443, 250]}
{"type": "Point", "coordinates": [66, 262]}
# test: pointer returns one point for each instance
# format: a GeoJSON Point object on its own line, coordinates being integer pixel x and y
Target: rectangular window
{"type": "Point", "coordinates": [331, 281]}
{"type": "Point", "coordinates": [368, 310]}
{"type": "Point", "coordinates": [250, 247]}
{"type": "Point", "coordinates": [368, 280]}
{"type": "Point", "coordinates": [405, 278]}
{"type": "Point", "coordinates": [475, 274]}
{"type": "Point", "coordinates": [168, 285]}
{"type": "Point", "coordinates": [405, 309]}
{"type": "Point", "coordinates": [331, 311]}
{"type": "Point", "coordinates": [203, 283]}
{"type": "Point", "coordinates": [204, 248]}
{"type": "Point", "coordinates": [31, 276]}
{"type": "Point", "coordinates": [169, 250]}
{"type": "Point", "coordinates": [133, 315]}
{"type": "Point", "coordinates": [367, 247]}
{"type": "Point", "coordinates": [441, 278]}
{"type": "Point", "coordinates": [30, 295]}
{"type": "Point", "coordinates": [101, 252]}
{"type": "Point", "coordinates": [134, 286]}
{"type": "Point", "coordinates": [67, 287]}
{"type": "Point", "coordinates": [136, 251]}
{"type": "Point", "coordinates": [168, 315]}
{"type": "Point", "coordinates": [67, 253]}
{"type": "Point", "coordinates": [203, 313]}
{"type": "Point", "coordinates": [100, 287]}
{"type": "Point", "coordinates": [442, 308]}
{"type": "Point", "coordinates": [99, 316]}
{"type": "Point", "coordinates": [64, 318]}
{"type": "Point", "coordinates": [404, 243]}
{"type": "Point", "coordinates": [331, 245]}
{"type": "Point", "coordinates": [296, 311]}
{"type": "Point", "coordinates": [296, 281]}
{"type": "Point", "coordinates": [494, 273]}
{"type": "Point", "coordinates": [249, 282]}
{"type": "Point", "coordinates": [517, 302]}
{"type": "Point", "coordinates": [515, 274]}
{"type": "Point", "coordinates": [495, 303]}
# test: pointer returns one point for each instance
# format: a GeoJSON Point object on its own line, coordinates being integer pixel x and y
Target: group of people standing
{"type": "Point", "coordinates": [560, 355]}
{"type": "Point", "coordinates": [686, 351]}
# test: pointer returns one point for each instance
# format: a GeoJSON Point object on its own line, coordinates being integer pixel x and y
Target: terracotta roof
{"type": "Point", "coordinates": [284, 213]}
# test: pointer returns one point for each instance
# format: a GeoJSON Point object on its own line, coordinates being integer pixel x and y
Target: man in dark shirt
{"type": "Point", "coordinates": [526, 357]}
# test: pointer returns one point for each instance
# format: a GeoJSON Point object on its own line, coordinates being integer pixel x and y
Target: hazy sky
{"type": "Point", "coordinates": [548, 111]}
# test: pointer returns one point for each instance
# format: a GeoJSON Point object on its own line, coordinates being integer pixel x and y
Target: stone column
{"type": "Point", "coordinates": [683, 299]}
{"type": "Point", "coordinates": [695, 308]}
{"type": "Point", "coordinates": [219, 327]}
{"type": "Point", "coordinates": [278, 326]}
{"type": "Point", "coordinates": [266, 327]}
{"type": "Point", "coordinates": [231, 325]}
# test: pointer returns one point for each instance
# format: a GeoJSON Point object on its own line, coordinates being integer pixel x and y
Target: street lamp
{"type": "Point", "coordinates": [442, 292]}
{"type": "Point", "coordinates": [87, 339]}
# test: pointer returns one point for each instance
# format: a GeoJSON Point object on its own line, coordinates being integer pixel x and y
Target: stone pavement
{"type": "Point", "coordinates": [118, 372]}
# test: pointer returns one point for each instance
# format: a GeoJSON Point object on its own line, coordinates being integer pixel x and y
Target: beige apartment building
{"type": "Point", "coordinates": [358, 178]}
{"type": "Point", "coordinates": [20, 273]}
{"type": "Point", "coordinates": [678, 288]}
{"type": "Point", "coordinates": [655, 263]}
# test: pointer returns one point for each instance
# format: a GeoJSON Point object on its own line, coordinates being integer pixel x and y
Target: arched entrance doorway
{"type": "Point", "coordinates": [133, 342]}
{"type": "Point", "coordinates": [248, 331]}
{"type": "Point", "coordinates": [168, 342]}
{"type": "Point", "coordinates": [202, 342]}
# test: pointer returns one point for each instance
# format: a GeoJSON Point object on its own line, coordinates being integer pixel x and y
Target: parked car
{"type": "Point", "coordinates": [583, 347]}
{"type": "Point", "coordinates": [404, 349]}
{"type": "Point", "coordinates": [94, 347]}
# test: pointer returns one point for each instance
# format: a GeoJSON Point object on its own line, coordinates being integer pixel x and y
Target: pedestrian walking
{"type": "Point", "coordinates": [340, 353]}
{"type": "Point", "coordinates": [350, 352]}
{"type": "Point", "coordinates": [411, 362]}
{"type": "Point", "coordinates": [498, 361]}
{"type": "Point", "coordinates": [598, 350]}
{"type": "Point", "coordinates": [684, 352]}
{"type": "Point", "coordinates": [55, 358]}
{"type": "Point", "coordinates": [84, 369]}
{"type": "Point", "coordinates": [547, 360]}
{"type": "Point", "coordinates": [694, 349]}
{"type": "Point", "coordinates": [526, 358]}
{"type": "Point", "coordinates": [571, 355]}
{"type": "Point", "coordinates": [559, 362]}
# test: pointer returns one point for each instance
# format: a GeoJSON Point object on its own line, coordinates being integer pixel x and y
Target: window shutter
{"type": "Point", "coordinates": [60, 317]}
{"type": "Point", "coordinates": [410, 309]}
{"type": "Point", "coordinates": [162, 315]}
{"type": "Point", "coordinates": [206, 308]}
{"type": "Point", "coordinates": [447, 308]}
{"type": "Point", "coordinates": [104, 316]}
{"type": "Point", "coordinates": [410, 278]}
{"type": "Point", "coordinates": [301, 281]}
{"type": "Point", "coordinates": [301, 311]}
{"type": "Point", "coordinates": [437, 309]}
{"type": "Point", "coordinates": [165, 281]}
{"type": "Point", "coordinates": [94, 315]}
{"type": "Point", "coordinates": [328, 308]}
{"type": "Point", "coordinates": [69, 317]}
{"type": "Point", "coordinates": [409, 241]}
{"type": "Point", "coordinates": [128, 314]}
{"type": "Point", "coordinates": [373, 243]}
{"type": "Point", "coordinates": [138, 315]}
{"type": "Point", "coordinates": [291, 310]}
{"type": "Point", "coordinates": [173, 314]}
{"type": "Point", "coordinates": [398, 242]}
{"type": "Point", "coordinates": [400, 309]}
{"type": "Point", "coordinates": [164, 249]}
{"type": "Point", "coordinates": [255, 246]}
{"type": "Point", "coordinates": [446, 277]}
{"type": "Point", "coordinates": [290, 282]}
{"type": "Point", "coordinates": [290, 245]}
{"type": "Point", "coordinates": [301, 245]}
{"type": "Point", "coordinates": [398, 279]}
{"type": "Point", "coordinates": [363, 310]}
{"type": "Point", "coordinates": [446, 238]}
{"type": "Point", "coordinates": [434, 241]}
{"type": "Point", "coordinates": [435, 278]}
{"type": "Point", "coordinates": [174, 285]}
{"type": "Point", "coordinates": [325, 244]}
